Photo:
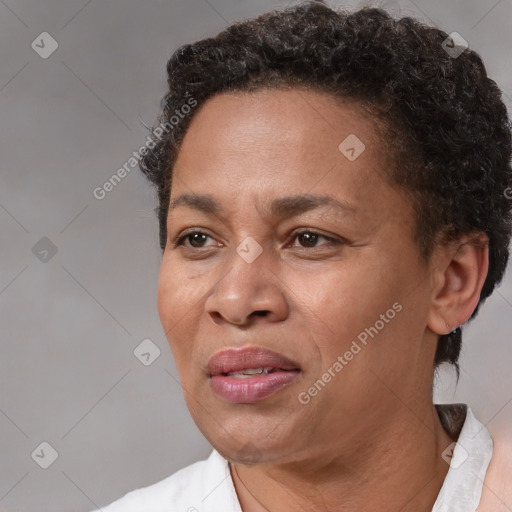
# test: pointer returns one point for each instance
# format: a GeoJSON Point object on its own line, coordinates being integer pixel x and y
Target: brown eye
{"type": "Point", "coordinates": [196, 239]}
{"type": "Point", "coordinates": [309, 239]}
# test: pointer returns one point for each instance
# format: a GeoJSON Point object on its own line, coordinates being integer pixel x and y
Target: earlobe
{"type": "Point", "coordinates": [460, 275]}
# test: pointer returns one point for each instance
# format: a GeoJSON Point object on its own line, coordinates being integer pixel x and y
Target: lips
{"type": "Point", "coordinates": [250, 374]}
{"type": "Point", "coordinates": [232, 360]}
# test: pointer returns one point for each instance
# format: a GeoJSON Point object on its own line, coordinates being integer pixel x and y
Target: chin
{"type": "Point", "coordinates": [250, 446]}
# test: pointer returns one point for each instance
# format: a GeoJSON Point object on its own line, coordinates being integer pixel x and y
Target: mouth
{"type": "Point", "coordinates": [250, 374]}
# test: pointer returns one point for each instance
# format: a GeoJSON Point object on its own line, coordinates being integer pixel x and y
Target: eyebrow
{"type": "Point", "coordinates": [284, 207]}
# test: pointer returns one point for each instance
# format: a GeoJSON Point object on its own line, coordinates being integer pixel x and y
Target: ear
{"type": "Point", "coordinates": [459, 272]}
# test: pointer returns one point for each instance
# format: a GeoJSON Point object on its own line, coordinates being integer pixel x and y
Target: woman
{"type": "Point", "coordinates": [332, 208]}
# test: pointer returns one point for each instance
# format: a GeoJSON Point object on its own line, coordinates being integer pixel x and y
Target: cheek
{"type": "Point", "coordinates": [175, 299]}
{"type": "Point", "coordinates": [363, 313]}
{"type": "Point", "coordinates": [353, 298]}
{"type": "Point", "coordinates": [180, 298]}
{"type": "Point", "coordinates": [172, 317]}
{"type": "Point", "coordinates": [177, 292]}
{"type": "Point", "coordinates": [164, 297]}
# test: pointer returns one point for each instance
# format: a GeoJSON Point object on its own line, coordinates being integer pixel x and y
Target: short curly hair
{"type": "Point", "coordinates": [442, 119]}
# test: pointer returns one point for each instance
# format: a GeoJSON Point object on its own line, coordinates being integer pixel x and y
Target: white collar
{"type": "Point", "coordinates": [470, 458]}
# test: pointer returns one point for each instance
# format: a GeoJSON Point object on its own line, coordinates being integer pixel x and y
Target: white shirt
{"type": "Point", "coordinates": [207, 486]}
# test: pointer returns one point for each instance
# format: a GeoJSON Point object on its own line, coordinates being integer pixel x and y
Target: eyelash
{"type": "Point", "coordinates": [178, 241]}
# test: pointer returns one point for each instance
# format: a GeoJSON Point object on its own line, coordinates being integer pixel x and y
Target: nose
{"type": "Point", "coordinates": [247, 292]}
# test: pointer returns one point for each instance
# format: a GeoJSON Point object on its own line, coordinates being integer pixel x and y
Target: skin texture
{"type": "Point", "coordinates": [370, 439]}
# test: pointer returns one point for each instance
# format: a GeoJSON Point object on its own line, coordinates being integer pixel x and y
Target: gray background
{"type": "Point", "coordinates": [69, 325]}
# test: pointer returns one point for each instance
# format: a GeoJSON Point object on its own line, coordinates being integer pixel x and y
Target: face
{"type": "Point", "coordinates": [291, 291]}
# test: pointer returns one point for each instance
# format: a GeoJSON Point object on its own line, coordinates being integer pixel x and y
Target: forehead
{"type": "Point", "coordinates": [271, 144]}
{"type": "Point", "coordinates": [296, 119]}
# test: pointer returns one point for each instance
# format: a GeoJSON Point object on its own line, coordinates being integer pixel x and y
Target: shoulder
{"type": "Point", "coordinates": [184, 491]}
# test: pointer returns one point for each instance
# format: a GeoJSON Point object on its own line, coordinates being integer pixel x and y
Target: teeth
{"type": "Point", "coordinates": [248, 372]}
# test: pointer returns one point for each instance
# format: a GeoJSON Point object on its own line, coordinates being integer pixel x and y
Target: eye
{"type": "Point", "coordinates": [308, 238]}
{"type": "Point", "coordinates": [196, 239]}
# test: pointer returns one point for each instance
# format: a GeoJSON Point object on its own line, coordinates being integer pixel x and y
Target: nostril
{"type": "Point", "coordinates": [215, 315]}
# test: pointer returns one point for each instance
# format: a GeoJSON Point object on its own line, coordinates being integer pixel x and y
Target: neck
{"type": "Point", "coordinates": [399, 469]}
